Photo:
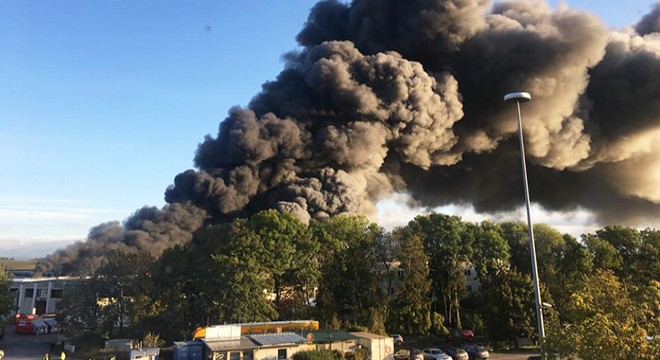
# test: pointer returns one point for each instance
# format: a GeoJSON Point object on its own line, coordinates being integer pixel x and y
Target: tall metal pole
{"type": "Point", "coordinates": [522, 97]}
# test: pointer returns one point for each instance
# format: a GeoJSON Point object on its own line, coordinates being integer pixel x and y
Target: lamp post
{"type": "Point", "coordinates": [519, 97]}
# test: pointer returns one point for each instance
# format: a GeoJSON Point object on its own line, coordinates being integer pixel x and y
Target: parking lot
{"type": "Point", "coordinates": [27, 347]}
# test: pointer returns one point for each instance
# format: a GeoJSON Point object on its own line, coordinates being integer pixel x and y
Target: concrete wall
{"type": "Point", "coordinates": [38, 296]}
{"type": "Point", "coordinates": [271, 353]}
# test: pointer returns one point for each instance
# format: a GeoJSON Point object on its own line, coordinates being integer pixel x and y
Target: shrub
{"type": "Point", "coordinates": [318, 355]}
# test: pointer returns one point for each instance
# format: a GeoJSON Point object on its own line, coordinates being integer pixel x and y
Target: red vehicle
{"type": "Point", "coordinates": [467, 335]}
{"type": "Point", "coordinates": [462, 335]}
{"type": "Point", "coordinates": [24, 324]}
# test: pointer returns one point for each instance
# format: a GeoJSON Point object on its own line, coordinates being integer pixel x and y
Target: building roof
{"type": "Point", "coordinates": [277, 339]}
{"type": "Point", "coordinates": [16, 282]}
{"type": "Point", "coordinates": [367, 335]}
{"type": "Point", "coordinates": [228, 345]}
{"type": "Point", "coordinates": [326, 336]}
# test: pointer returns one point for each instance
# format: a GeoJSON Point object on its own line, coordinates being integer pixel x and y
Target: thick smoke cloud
{"type": "Point", "coordinates": [149, 230]}
{"type": "Point", "coordinates": [406, 96]}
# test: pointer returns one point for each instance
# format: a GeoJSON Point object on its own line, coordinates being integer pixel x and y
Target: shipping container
{"type": "Point", "coordinates": [188, 350]}
{"type": "Point", "coordinates": [375, 347]}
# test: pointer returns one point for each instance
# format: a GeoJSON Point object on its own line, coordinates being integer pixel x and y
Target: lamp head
{"type": "Point", "coordinates": [517, 96]}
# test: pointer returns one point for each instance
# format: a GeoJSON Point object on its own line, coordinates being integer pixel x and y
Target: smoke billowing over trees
{"type": "Point", "coordinates": [406, 96]}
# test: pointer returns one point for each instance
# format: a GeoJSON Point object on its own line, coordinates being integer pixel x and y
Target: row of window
{"type": "Point", "coordinates": [43, 293]}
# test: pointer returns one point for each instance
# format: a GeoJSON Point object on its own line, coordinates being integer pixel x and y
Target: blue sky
{"type": "Point", "coordinates": [102, 103]}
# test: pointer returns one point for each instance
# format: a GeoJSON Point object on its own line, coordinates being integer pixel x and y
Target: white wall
{"type": "Point", "coordinates": [271, 353]}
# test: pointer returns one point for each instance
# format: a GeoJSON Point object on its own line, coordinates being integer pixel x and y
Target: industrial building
{"type": "Point", "coordinates": [38, 295]}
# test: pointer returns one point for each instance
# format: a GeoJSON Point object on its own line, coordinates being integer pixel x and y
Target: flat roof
{"type": "Point", "coordinates": [40, 280]}
{"type": "Point", "coordinates": [228, 345]}
{"type": "Point", "coordinates": [327, 336]}
{"type": "Point", "coordinates": [367, 335]}
{"type": "Point", "coordinates": [277, 339]}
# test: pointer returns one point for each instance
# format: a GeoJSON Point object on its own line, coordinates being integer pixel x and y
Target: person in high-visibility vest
{"type": "Point", "coordinates": [63, 355]}
{"type": "Point", "coordinates": [46, 357]}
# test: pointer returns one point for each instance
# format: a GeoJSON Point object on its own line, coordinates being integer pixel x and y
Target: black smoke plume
{"type": "Point", "coordinates": [406, 96]}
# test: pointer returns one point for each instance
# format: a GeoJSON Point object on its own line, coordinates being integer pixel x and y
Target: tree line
{"type": "Point", "coordinates": [349, 273]}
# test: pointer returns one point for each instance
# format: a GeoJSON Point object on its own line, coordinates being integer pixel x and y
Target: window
{"type": "Point", "coordinates": [469, 288]}
{"type": "Point", "coordinates": [467, 272]}
{"type": "Point", "coordinates": [56, 293]}
{"type": "Point", "coordinates": [235, 355]}
{"type": "Point", "coordinates": [29, 293]}
{"type": "Point", "coordinates": [248, 355]}
{"type": "Point", "coordinates": [42, 293]}
{"type": "Point", "coordinates": [281, 354]}
{"type": "Point", "coordinates": [400, 272]}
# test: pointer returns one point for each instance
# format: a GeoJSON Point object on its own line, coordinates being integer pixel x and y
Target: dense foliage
{"type": "Point", "coordinates": [6, 298]}
{"type": "Point", "coordinates": [317, 355]}
{"type": "Point", "coordinates": [348, 273]}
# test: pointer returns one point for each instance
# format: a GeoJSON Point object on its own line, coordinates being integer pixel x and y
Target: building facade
{"type": "Point", "coordinates": [38, 295]}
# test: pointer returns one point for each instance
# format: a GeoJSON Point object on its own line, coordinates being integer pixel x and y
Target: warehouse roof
{"type": "Point", "coordinates": [277, 339]}
{"type": "Point", "coordinates": [327, 336]}
{"type": "Point", "coordinates": [228, 345]}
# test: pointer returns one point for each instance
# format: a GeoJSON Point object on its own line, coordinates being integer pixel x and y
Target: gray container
{"type": "Point", "coordinates": [187, 350]}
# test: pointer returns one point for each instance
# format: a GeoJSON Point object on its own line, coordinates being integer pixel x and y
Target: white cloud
{"type": "Point", "coordinates": [394, 211]}
{"type": "Point", "coordinates": [33, 227]}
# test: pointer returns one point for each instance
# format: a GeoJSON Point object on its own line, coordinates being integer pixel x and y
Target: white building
{"type": "Point", "coordinates": [40, 295]}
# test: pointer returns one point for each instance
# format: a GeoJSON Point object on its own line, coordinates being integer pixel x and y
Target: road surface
{"type": "Point", "coordinates": [28, 347]}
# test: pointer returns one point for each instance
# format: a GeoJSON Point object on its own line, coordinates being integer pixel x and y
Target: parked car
{"type": "Point", "coordinates": [462, 335]}
{"type": "Point", "coordinates": [435, 354]}
{"type": "Point", "coordinates": [467, 335]}
{"type": "Point", "coordinates": [398, 339]}
{"type": "Point", "coordinates": [405, 354]}
{"type": "Point", "coordinates": [476, 352]}
{"type": "Point", "coordinates": [457, 353]}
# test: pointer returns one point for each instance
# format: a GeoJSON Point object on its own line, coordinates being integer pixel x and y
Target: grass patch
{"type": "Point", "coordinates": [11, 264]}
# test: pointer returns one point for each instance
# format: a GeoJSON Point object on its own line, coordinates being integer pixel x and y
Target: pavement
{"type": "Point", "coordinates": [28, 347]}
{"type": "Point", "coordinates": [510, 356]}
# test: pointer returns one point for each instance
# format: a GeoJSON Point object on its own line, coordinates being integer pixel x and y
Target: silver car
{"type": "Point", "coordinates": [457, 353]}
{"type": "Point", "coordinates": [435, 354]}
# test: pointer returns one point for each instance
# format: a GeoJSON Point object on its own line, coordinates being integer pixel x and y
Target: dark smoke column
{"type": "Point", "coordinates": [405, 96]}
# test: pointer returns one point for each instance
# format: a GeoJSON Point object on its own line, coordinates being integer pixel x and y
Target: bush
{"type": "Point", "coordinates": [318, 355]}
{"type": "Point", "coordinates": [152, 340]}
{"type": "Point", "coordinates": [89, 343]}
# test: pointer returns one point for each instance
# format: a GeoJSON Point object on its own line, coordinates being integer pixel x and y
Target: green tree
{"type": "Point", "coordinates": [243, 271]}
{"type": "Point", "coordinates": [178, 297]}
{"type": "Point", "coordinates": [574, 265]}
{"type": "Point", "coordinates": [6, 297]}
{"type": "Point", "coordinates": [606, 321]}
{"type": "Point", "coordinates": [291, 257]}
{"type": "Point", "coordinates": [605, 255]}
{"type": "Point", "coordinates": [349, 285]}
{"type": "Point", "coordinates": [410, 311]}
{"type": "Point", "coordinates": [646, 265]}
{"type": "Point", "coordinates": [517, 236]}
{"type": "Point", "coordinates": [125, 281]}
{"type": "Point", "coordinates": [490, 251]}
{"type": "Point", "coordinates": [79, 311]}
{"type": "Point", "coordinates": [448, 247]}
{"type": "Point", "coordinates": [509, 308]}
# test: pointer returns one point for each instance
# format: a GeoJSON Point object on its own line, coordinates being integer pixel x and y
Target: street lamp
{"type": "Point", "coordinates": [519, 97]}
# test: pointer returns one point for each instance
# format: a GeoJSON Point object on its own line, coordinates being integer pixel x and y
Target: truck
{"type": "Point", "coordinates": [30, 324]}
